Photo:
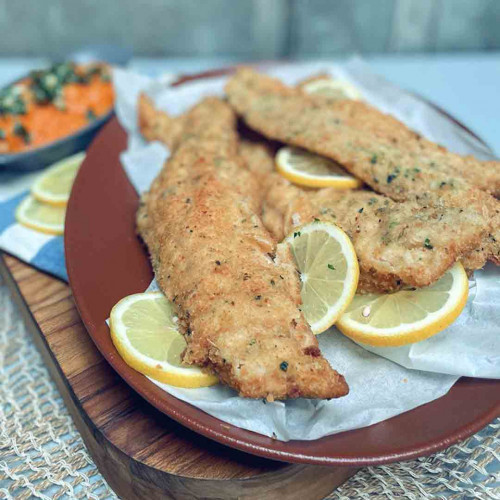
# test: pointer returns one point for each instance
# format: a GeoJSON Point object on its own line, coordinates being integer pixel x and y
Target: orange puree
{"type": "Point", "coordinates": [77, 105]}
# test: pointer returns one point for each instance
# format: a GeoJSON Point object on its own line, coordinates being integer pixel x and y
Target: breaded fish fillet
{"type": "Point", "coordinates": [483, 174]}
{"type": "Point", "coordinates": [352, 131]}
{"type": "Point", "coordinates": [369, 145]}
{"type": "Point", "coordinates": [157, 126]}
{"type": "Point", "coordinates": [171, 131]}
{"type": "Point", "coordinates": [397, 244]}
{"type": "Point", "coordinates": [235, 291]}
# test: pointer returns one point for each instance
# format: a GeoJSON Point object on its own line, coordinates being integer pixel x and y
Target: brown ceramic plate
{"type": "Point", "coordinates": [106, 262]}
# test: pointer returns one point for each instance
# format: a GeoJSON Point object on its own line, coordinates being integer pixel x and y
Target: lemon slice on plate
{"type": "Point", "coordinates": [329, 272]}
{"type": "Point", "coordinates": [406, 316]}
{"type": "Point", "coordinates": [333, 89]}
{"type": "Point", "coordinates": [310, 170]}
{"type": "Point", "coordinates": [40, 216]}
{"type": "Point", "coordinates": [54, 186]}
{"type": "Point", "coordinates": [145, 334]}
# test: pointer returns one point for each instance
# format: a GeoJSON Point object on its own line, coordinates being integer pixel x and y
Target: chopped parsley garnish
{"type": "Point", "coordinates": [361, 210]}
{"type": "Point", "coordinates": [93, 70]}
{"type": "Point", "coordinates": [390, 178]}
{"type": "Point", "coordinates": [331, 267]}
{"type": "Point", "coordinates": [22, 132]}
{"type": "Point", "coordinates": [59, 103]}
{"type": "Point", "coordinates": [372, 201]}
{"type": "Point", "coordinates": [47, 85]}
{"type": "Point", "coordinates": [373, 159]}
{"type": "Point", "coordinates": [316, 219]}
{"type": "Point", "coordinates": [296, 234]}
{"type": "Point", "coordinates": [284, 366]}
{"type": "Point", "coordinates": [427, 244]}
{"type": "Point", "coordinates": [98, 70]}
{"type": "Point", "coordinates": [90, 115]}
{"type": "Point", "coordinates": [11, 101]}
{"type": "Point", "coordinates": [258, 297]}
{"type": "Point", "coordinates": [2, 134]}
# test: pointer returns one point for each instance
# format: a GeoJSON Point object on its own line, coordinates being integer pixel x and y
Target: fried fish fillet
{"type": "Point", "coordinates": [171, 131]}
{"type": "Point", "coordinates": [235, 291]}
{"type": "Point", "coordinates": [370, 145]}
{"type": "Point", "coordinates": [350, 132]}
{"type": "Point", "coordinates": [483, 174]}
{"type": "Point", "coordinates": [397, 244]}
{"type": "Point", "coordinates": [158, 126]}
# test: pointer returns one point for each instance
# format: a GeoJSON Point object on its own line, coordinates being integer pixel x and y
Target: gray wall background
{"type": "Point", "coordinates": [248, 29]}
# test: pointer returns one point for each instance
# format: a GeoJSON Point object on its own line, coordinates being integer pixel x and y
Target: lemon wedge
{"type": "Point", "coordinates": [329, 272]}
{"type": "Point", "coordinates": [310, 170]}
{"type": "Point", "coordinates": [41, 217]}
{"type": "Point", "coordinates": [406, 316]}
{"type": "Point", "coordinates": [144, 332]}
{"type": "Point", "coordinates": [54, 186]}
{"type": "Point", "coordinates": [333, 88]}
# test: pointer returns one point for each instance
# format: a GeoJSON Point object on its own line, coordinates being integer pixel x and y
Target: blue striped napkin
{"type": "Point", "coordinates": [43, 251]}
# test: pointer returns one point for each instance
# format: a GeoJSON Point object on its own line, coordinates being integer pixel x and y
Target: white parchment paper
{"type": "Point", "coordinates": [384, 382]}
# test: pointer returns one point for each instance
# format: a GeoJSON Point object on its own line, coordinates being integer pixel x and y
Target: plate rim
{"type": "Point", "coordinates": [183, 412]}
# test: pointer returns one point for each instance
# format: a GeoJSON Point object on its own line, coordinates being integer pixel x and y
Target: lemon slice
{"type": "Point", "coordinates": [144, 332]}
{"type": "Point", "coordinates": [329, 272]}
{"type": "Point", "coordinates": [40, 216]}
{"type": "Point", "coordinates": [406, 316]}
{"type": "Point", "coordinates": [333, 89]}
{"type": "Point", "coordinates": [310, 170]}
{"type": "Point", "coordinates": [54, 186]}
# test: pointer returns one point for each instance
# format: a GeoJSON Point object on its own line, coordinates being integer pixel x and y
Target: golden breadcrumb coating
{"type": "Point", "coordinates": [372, 146]}
{"type": "Point", "coordinates": [398, 244]}
{"type": "Point", "coordinates": [235, 291]}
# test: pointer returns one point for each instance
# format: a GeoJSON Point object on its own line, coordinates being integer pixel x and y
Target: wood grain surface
{"type": "Point", "coordinates": [141, 452]}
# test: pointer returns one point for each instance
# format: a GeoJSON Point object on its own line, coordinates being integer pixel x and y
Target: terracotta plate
{"type": "Point", "coordinates": [106, 262]}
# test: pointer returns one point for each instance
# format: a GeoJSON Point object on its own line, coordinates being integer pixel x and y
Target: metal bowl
{"type": "Point", "coordinates": [34, 159]}
{"type": "Point", "coordinates": [40, 157]}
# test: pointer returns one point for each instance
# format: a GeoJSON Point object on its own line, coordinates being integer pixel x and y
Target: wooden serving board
{"type": "Point", "coordinates": [141, 452]}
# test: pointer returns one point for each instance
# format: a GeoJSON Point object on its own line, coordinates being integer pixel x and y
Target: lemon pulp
{"type": "Point", "coordinates": [329, 272]}
{"type": "Point", "coordinates": [406, 316]}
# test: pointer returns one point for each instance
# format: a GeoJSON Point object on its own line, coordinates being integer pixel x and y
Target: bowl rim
{"type": "Point", "coordinates": [9, 157]}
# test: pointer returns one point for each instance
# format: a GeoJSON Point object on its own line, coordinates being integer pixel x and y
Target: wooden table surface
{"type": "Point", "coordinates": [141, 452]}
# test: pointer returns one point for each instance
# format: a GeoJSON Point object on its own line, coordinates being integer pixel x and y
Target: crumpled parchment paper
{"type": "Point", "coordinates": [386, 381]}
